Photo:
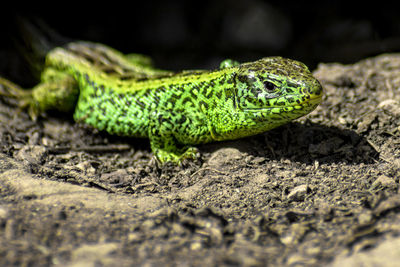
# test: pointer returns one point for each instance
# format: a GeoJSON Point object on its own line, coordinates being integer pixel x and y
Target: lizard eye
{"type": "Point", "coordinates": [269, 86]}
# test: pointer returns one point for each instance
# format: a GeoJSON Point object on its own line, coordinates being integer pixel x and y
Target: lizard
{"type": "Point", "coordinates": [124, 94]}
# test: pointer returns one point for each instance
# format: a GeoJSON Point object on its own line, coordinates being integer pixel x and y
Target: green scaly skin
{"type": "Point", "coordinates": [125, 95]}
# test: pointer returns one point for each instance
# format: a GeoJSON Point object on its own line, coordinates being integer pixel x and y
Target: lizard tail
{"type": "Point", "coordinates": [34, 41]}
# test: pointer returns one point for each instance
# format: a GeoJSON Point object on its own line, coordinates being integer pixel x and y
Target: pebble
{"type": "Point", "coordinates": [298, 193]}
{"type": "Point", "coordinates": [32, 154]}
{"type": "Point", "coordinates": [385, 181]}
{"type": "Point", "coordinates": [224, 155]}
{"type": "Point", "coordinates": [3, 213]}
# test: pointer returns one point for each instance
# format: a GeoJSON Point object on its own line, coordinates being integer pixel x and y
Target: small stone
{"type": "Point", "coordinates": [384, 181]}
{"type": "Point", "coordinates": [3, 213]}
{"type": "Point", "coordinates": [32, 154]}
{"type": "Point", "coordinates": [391, 106]}
{"type": "Point", "coordinates": [365, 218]}
{"type": "Point", "coordinates": [195, 246]}
{"type": "Point", "coordinates": [298, 193]}
{"type": "Point", "coordinates": [117, 176]}
{"type": "Point", "coordinates": [366, 121]}
{"type": "Point", "coordinates": [224, 155]}
{"type": "Point", "coordinates": [86, 167]}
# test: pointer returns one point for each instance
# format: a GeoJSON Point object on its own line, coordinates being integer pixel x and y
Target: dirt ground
{"type": "Point", "coordinates": [321, 190]}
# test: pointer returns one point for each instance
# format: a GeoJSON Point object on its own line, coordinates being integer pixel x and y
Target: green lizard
{"type": "Point", "coordinates": [125, 95]}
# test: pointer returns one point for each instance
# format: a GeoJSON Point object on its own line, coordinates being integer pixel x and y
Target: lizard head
{"type": "Point", "coordinates": [266, 94]}
{"type": "Point", "coordinates": [276, 90]}
{"type": "Point", "coordinates": [277, 84]}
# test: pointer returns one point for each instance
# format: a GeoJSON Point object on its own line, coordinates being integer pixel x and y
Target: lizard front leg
{"type": "Point", "coordinates": [163, 141]}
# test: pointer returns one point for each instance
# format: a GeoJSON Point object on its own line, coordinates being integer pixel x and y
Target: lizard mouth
{"type": "Point", "coordinates": [315, 99]}
{"type": "Point", "coordinates": [312, 103]}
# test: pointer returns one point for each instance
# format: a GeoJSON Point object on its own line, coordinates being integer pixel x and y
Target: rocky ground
{"type": "Point", "coordinates": [321, 190]}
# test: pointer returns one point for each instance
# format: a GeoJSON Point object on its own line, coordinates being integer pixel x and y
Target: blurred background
{"type": "Point", "coordinates": [199, 34]}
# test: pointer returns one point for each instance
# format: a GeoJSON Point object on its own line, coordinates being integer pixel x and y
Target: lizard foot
{"type": "Point", "coordinates": [177, 156]}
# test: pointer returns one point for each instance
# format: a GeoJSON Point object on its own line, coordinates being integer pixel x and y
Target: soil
{"type": "Point", "coordinates": [321, 190]}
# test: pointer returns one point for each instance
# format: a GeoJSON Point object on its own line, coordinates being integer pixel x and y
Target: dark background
{"type": "Point", "coordinates": [199, 34]}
